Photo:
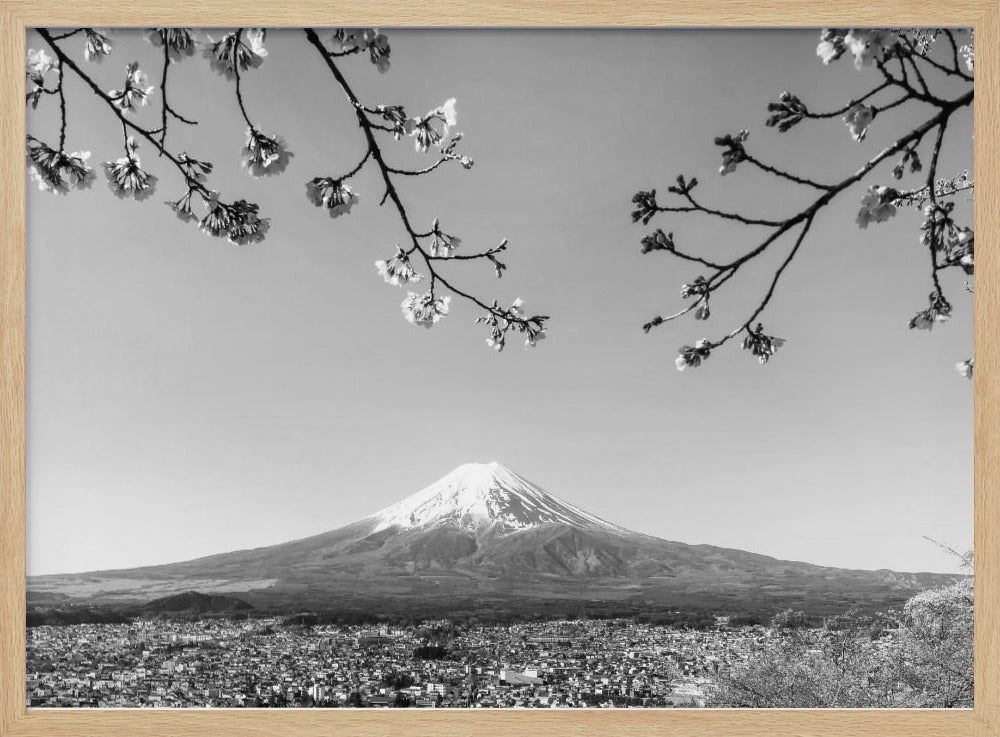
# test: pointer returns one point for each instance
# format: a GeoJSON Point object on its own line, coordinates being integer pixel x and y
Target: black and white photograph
{"type": "Point", "coordinates": [454, 368]}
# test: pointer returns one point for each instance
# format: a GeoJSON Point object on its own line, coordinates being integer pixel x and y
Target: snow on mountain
{"type": "Point", "coordinates": [485, 495]}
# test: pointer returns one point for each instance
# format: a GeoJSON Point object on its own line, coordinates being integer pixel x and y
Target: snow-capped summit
{"type": "Point", "coordinates": [480, 495]}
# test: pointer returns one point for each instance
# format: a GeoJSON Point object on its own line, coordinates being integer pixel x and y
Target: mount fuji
{"type": "Point", "coordinates": [485, 537]}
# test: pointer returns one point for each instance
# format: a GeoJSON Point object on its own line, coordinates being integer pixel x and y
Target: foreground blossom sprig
{"type": "Point", "coordinates": [58, 172]}
{"type": "Point", "coordinates": [232, 51]}
{"type": "Point", "coordinates": [337, 197]}
{"type": "Point", "coordinates": [126, 177]}
{"type": "Point", "coordinates": [398, 270]}
{"type": "Point", "coordinates": [264, 155]}
{"type": "Point", "coordinates": [136, 91]}
{"type": "Point", "coordinates": [424, 309]}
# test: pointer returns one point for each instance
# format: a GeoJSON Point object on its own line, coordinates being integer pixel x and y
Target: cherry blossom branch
{"type": "Point", "coordinates": [126, 122]}
{"type": "Point", "coordinates": [165, 108]}
{"type": "Point", "coordinates": [879, 204]}
{"type": "Point", "coordinates": [499, 318]}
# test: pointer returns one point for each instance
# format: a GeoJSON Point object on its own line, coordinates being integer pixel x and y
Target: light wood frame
{"type": "Point", "coordinates": [18, 15]}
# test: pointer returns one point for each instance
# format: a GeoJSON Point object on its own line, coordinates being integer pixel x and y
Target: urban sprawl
{"type": "Point", "coordinates": [271, 663]}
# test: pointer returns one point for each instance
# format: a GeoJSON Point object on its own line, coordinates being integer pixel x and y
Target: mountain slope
{"type": "Point", "coordinates": [483, 534]}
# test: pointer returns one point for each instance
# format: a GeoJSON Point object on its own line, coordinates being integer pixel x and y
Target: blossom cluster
{"type": "Point", "coordinates": [337, 197]}
{"type": "Point", "coordinates": [693, 356]}
{"type": "Point", "coordinates": [264, 155]}
{"type": "Point", "coordinates": [657, 241]}
{"type": "Point", "coordinates": [857, 119]}
{"type": "Point", "coordinates": [733, 152]}
{"type": "Point", "coordinates": [136, 91]}
{"type": "Point", "coordinates": [786, 112]}
{"type": "Point", "coordinates": [424, 309]}
{"type": "Point", "coordinates": [939, 310]}
{"type": "Point", "coordinates": [939, 232]}
{"type": "Point", "coordinates": [126, 177]}
{"type": "Point", "coordinates": [97, 44]}
{"type": "Point", "coordinates": [180, 42]}
{"type": "Point", "coordinates": [37, 64]}
{"type": "Point", "coordinates": [398, 270]}
{"type": "Point", "coordinates": [760, 345]}
{"type": "Point", "coordinates": [236, 52]}
{"type": "Point", "coordinates": [878, 205]}
{"type": "Point", "coordinates": [645, 206]}
{"type": "Point", "coordinates": [442, 244]}
{"type": "Point", "coordinates": [868, 45]}
{"type": "Point", "coordinates": [354, 40]}
{"type": "Point", "coordinates": [239, 223]}
{"type": "Point", "coordinates": [514, 318]}
{"type": "Point", "coordinates": [56, 171]}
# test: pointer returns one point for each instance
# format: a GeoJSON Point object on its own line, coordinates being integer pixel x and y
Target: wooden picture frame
{"type": "Point", "coordinates": [18, 15]}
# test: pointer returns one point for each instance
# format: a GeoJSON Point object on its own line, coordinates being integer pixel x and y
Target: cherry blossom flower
{"type": "Point", "coordinates": [760, 345]}
{"type": "Point", "coordinates": [831, 46]}
{"type": "Point", "coordinates": [442, 244]}
{"type": "Point", "coordinates": [378, 52]}
{"type": "Point", "coordinates": [877, 205]}
{"type": "Point", "coordinates": [182, 207]}
{"type": "Point", "coordinates": [787, 112]}
{"type": "Point", "coordinates": [239, 222]}
{"type": "Point", "coordinates": [126, 178]}
{"type": "Point", "coordinates": [398, 270]}
{"type": "Point", "coordinates": [424, 309]}
{"type": "Point", "coordinates": [938, 311]}
{"type": "Point", "coordinates": [332, 194]}
{"type": "Point", "coordinates": [180, 41]}
{"type": "Point", "coordinates": [97, 44]}
{"type": "Point", "coordinates": [245, 224]}
{"type": "Point", "coordinates": [136, 91]}
{"type": "Point", "coordinates": [264, 155]}
{"type": "Point", "coordinates": [693, 355]}
{"type": "Point", "coordinates": [869, 45]}
{"type": "Point", "coordinates": [966, 368]}
{"type": "Point", "coordinates": [395, 117]}
{"type": "Point", "coordinates": [57, 172]}
{"type": "Point", "coordinates": [857, 119]}
{"type": "Point", "coordinates": [217, 220]}
{"type": "Point", "coordinates": [423, 131]}
{"type": "Point", "coordinates": [193, 168]}
{"type": "Point", "coordinates": [348, 40]}
{"type": "Point", "coordinates": [734, 152]}
{"type": "Point", "coordinates": [38, 64]}
{"type": "Point", "coordinates": [225, 54]}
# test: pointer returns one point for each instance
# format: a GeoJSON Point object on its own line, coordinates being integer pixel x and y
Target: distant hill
{"type": "Point", "coordinates": [194, 602]}
{"type": "Point", "coordinates": [485, 538]}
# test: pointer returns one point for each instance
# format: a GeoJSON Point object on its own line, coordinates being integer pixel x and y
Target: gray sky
{"type": "Point", "coordinates": [188, 397]}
